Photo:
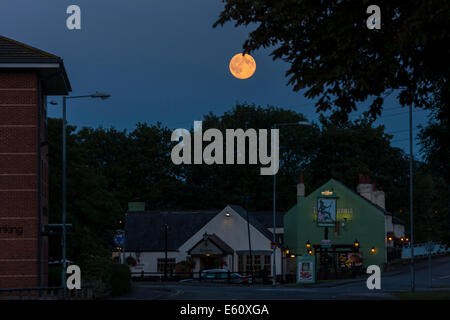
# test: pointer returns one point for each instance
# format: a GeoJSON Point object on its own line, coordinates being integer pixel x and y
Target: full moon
{"type": "Point", "coordinates": [242, 66]}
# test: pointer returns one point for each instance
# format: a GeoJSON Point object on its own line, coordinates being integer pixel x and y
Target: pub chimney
{"type": "Point", "coordinates": [369, 191]}
{"type": "Point", "coordinates": [300, 186]}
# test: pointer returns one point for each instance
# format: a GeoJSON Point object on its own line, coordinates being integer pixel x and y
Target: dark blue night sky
{"type": "Point", "coordinates": [161, 60]}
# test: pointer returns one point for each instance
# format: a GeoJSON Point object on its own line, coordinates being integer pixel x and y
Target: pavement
{"type": "Point", "coordinates": [391, 282]}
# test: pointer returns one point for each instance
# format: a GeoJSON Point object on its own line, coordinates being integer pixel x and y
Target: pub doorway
{"type": "Point", "coordinates": [211, 262]}
{"type": "Point", "coordinates": [338, 262]}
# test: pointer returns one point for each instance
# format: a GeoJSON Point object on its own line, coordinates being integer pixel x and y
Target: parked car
{"type": "Point", "coordinates": [238, 278]}
{"type": "Point", "coordinates": [224, 275]}
{"type": "Point", "coordinates": [216, 275]}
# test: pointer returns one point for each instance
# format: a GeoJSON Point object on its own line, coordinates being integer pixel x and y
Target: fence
{"type": "Point", "coordinates": [421, 250]}
{"type": "Point", "coordinates": [394, 253]}
{"type": "Point", "coordinates": [44, 293]}
{"type": "Point", "coordinates": [217, 276]}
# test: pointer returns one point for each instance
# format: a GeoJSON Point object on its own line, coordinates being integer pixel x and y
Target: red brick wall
{"type": "Point", "coordinates": [19, 180]}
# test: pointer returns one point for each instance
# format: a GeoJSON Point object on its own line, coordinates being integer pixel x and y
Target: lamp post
{"type": "Point", "coordinates": [166, 227]}
{"type": "Point", "coordinates": [413, 280]}
{"type": "Point", "coordinates": [275, 126]}
{"type": "Point", "coordinates": [246, 199]}
{"type": "Point", "coordinates": [102, 96]}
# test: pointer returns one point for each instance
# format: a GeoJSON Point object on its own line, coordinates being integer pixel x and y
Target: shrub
{"type": "Point", "coordinates": [118, 278]}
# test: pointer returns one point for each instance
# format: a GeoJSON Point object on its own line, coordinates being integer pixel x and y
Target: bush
{"type": "Point", "coordinates": [117, 277]}
{"type": "Point", "coordinates": [106, 277]}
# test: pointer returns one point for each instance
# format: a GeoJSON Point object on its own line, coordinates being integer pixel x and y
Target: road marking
{"type": "Point", "coordinates": [285, 289]}
{"type": "Point", "coordinates": [178, 293]}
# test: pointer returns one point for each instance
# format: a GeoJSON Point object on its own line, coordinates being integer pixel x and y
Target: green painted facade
{"type": "Point", "coordinates": [365, 222]}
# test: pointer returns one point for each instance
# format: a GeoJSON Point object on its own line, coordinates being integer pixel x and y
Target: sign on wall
{"type": "Point", "coordinates": [306, 269]}
{"type": "Point", "coordinates": [354, 259]}
{"type": "Point", "coordinates": [326, 212]}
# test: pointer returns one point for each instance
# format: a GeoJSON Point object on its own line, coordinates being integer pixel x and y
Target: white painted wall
{"type": "Point", "coordinates": [399, 230]}
{"type": "Point", "coordinates": [232, 230]}
{"type": "Point", "coordinates": [280, 230]}
{"type": "Point", "coordinates": [148, 261]}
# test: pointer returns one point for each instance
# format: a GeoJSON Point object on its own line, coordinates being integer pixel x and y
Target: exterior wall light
{"type": "Point", "coordinates": [227, 214]}
{"type": "Point", "coordinates": [292, 255]}
{"type": "Point", "coordinates": [287, 251]}
{"type": "Point", "coordinates": [390, 238]}
{"type": "Point", "coordinates": [356, 243]}
{"type": "Point", "coordinates": [310, 252]}
{"type": "Point", "coordinates": [402, 239]}
{"type": "Point", "coordinates": [372, 250]}
{"type": "Point", "coordinates": [308, 244]}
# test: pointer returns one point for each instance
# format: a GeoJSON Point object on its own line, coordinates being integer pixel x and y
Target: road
{"type": "Point", "coordinates": [394, 281]}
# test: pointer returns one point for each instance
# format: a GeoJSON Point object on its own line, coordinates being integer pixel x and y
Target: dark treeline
{"type": "Point", "coordinates": [109, 167]}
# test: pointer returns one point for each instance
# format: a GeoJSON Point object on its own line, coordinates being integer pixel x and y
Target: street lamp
{"type": "Point", "coordinates": [308, 244]}
{"type": "Point", "coordinates": [275, 126]}
{"type": "Point", "coordinates": [102, 96]}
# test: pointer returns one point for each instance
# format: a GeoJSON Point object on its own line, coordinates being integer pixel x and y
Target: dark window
{"type": "Point", "coordinates": [267, 264]}
{"type": "Point", "coordinates": [170, 264]}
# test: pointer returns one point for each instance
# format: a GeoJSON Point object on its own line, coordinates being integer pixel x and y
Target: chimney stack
{"type": "Point", "coordinates": [364, 187]}
{"type": "Point", "coordinates": [369, 191]}
{"type": "Point", "coordinates": [300, 186]}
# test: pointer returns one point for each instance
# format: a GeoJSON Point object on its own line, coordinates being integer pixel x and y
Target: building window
{"type": "Point", "coordinates": [248, 266]}
{"type": "Point", "coordinates": [170, 264]}
{"type": "Point", "coordinates": [267, 264]}
{"type": "Point", "coordinates": [260, 262]}
{"type": "Point", "coordinates": [257, 263]}
{"type": "Point", "coordinates": [241, 263]}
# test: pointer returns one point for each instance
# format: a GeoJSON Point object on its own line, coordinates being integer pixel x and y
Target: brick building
{"type": "Point", "coordinates": [27, 76]}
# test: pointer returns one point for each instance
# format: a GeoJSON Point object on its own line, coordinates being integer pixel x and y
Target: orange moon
{"type": "Point", "coordinates": [242, 66]}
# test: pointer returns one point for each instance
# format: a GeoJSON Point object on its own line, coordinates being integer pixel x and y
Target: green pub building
{"type": "Point", "coordinates": [341, 228]}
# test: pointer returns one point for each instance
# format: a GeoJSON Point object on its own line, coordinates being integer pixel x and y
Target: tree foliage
{"type": "Point", "coordinates": [107, 168]}
{"type": "Point", "coordinates": [342, 63]}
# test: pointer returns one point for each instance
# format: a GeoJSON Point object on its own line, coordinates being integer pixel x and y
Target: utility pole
{"type": "Point", "coordinates": [411, 199]}
{"type": "Point", "coordinates": [63, 239]}
{"type": "Point", "coordinates": [165, 251]}
{"type": "Point", "coordinates": [246, 198]}
{"type": "Point", "coordinates": [325, 255]}
{"type": "Point", "coordinates": [274, 197]}
{"type": "Point", "coordinates": [102, 96]}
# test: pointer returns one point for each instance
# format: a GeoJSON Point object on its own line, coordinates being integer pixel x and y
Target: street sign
{"type": "Point", "coordinates": [325, 243]}
{"type": "Point", "coordinates": [326, 211]}
{"type": "Point", "coordinates": [119, 239]}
